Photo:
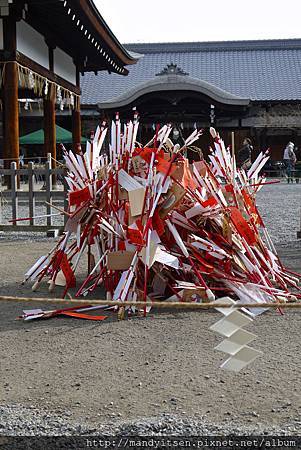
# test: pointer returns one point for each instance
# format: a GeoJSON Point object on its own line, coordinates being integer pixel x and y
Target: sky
{"type": "Point", "coordinates": [135, 21]}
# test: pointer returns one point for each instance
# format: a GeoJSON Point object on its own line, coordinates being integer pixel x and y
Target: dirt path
{"type": "Point", "coordinates": [141, 368]}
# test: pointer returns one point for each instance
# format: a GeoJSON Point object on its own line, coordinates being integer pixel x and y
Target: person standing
{"type": "Point", "coordinates": [245, 154]}
{"type": "Point", "coordinates": [289, 160]}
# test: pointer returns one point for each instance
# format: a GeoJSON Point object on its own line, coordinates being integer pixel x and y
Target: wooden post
{"type": "Point", "coordinates": [14, 187]}
{"type": "Point", "coordinates": [48, 185]}
{"type": "Point", "coordinates": [10, 93]}
{"type": "Point", "coordinates": [76, 127]}
{"type": "Point", "coordinates": [31, 199]}
{"type": "Point", "coordinates": [11, 116]}
{"type": "Point", "coordinates": [49, 123]}
{"type": "Point", "coordinates": [11, 112]}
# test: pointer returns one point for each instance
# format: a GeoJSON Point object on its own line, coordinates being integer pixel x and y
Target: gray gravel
{"type": "Point", "coordinates": [40, 209]}
{"type": "Point", "coordinates": [280, 207]}
{"type": "Point", "coordinates": [18, 420]}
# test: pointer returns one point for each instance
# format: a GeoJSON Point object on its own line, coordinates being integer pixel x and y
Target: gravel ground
{"type": "Point", "coordinates": [40, 209]}
{"type": "Point", "coordinates": [40, 422]}
{"type": "Point", "coordinates": [280, 207]}
{"type": "Point", "coordinates": [80, 377]}
{"type": "Point", "coordinates": [149, 376]}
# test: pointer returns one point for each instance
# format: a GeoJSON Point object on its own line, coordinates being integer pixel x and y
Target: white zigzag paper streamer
{"type": "Point", "coordinates": [237, 339]}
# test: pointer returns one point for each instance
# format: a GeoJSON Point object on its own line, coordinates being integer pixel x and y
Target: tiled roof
{"type": "Point", "coordinates": [259, 70]}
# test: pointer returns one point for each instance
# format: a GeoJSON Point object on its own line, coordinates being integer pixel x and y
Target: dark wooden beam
{"type": "Point", "coordinates": [76, 120]}
{"type": "Point", "coordinates": [51, 59]}
{"type": "Point", "coordinates": [10, 93]}
{"type": "Point", "coordinates": [49, 124]}
{"type": "Point", "coordinates": [76, 128]}
{"type": "Point", "coordinates": [9, 37]}
{"type": "Point", "coordinates": [11, 113]}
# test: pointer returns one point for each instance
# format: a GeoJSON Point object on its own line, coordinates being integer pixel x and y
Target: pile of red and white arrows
{"type": "Point", "coordinates": [156, 227]}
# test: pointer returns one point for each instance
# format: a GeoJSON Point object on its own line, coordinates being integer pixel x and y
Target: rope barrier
{"type": "Point", "coordinates": [156, 304]}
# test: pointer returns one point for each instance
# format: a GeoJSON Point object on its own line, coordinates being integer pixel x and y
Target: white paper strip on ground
{"type": "Point", "coordinates": [241, 359]}
{"type": "Point", "coordinates": [231, 323]}
{"type": "Point", "coordinates": [34, 316]}
{"type": "Point", "coordinates": [235, 342]}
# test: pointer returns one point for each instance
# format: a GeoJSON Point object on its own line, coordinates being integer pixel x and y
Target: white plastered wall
{"type": "Point", "coordinates": [32, 44]}
{"type": "Point", "coordinates": [64, 66]}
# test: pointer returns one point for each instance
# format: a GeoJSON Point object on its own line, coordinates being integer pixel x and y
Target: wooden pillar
{"type": "Point", "coordinates": [10, 93]}
{"type": "Point", "coordinates": [76, 127]}
{"type": "Point", "coordinates": [76, 120]}
{"type": "Point", "coordinates": [49, 124]}
{"type": "Point", "coordinates": [11, 112]}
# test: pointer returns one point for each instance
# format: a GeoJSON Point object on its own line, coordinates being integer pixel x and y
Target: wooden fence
{"type": "Point", "coordinates": [31, 193]}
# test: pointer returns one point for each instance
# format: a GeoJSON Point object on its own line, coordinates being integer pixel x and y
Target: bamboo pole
{"type": "Point", "coordinates": [160, 305]}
